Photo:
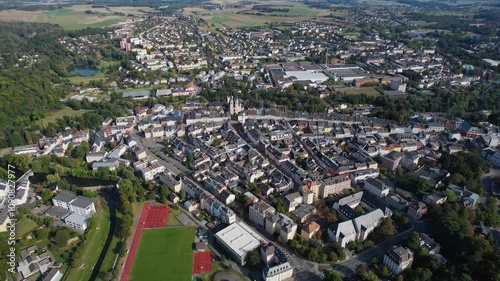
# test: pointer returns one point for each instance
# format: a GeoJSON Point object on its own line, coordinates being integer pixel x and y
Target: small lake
{"type": "Point", "coordinates": [85, 71]}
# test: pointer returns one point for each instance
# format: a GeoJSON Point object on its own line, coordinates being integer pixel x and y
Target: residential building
{"type": "Point", "coordinates": [77, 221]}
{"type": "Point", "coordinates": [376, 187]}
{"type": "Point", "coordinates": [334, 185]}
{"type": "Point", "coordinates": [80, 205]}
{"type": "Point", "coordinates": [257, 212]}
{"type": "Point", "coordinates": [303, 212]}
{"type": "Point", "coordinates": [309, 230]}
{"type": "Point", "coordinates": [391, 160]}
{"type": "Point", "coordinates": [417, 210]}
{"type": "Point", "coordinates": [292, 201]}
{"type": "Point", "coordinates": [171, 182]}
{"type": "Point", "coordinates": [397, 259]}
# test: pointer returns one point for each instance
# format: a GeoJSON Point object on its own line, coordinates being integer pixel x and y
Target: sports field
{"type": "Point", "coordinates": [164, 254]}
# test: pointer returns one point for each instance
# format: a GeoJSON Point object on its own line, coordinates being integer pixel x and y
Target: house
{"type": "Point", "coordinates": [376, 187]}
{"type": "Point", "coordinates": [391, 160]}
{"type": "Point", "coordinates": [32, 261]}
{"type": "Point", "coordinates": [258, 211]}
{"type": "Point", "coordinates": [468, 198]}
{"type": "Point", "coordinates": [435, 198]}
{"type": "Point", "coordinates": [433, 176]}
{"type": "Point", "coordinates": [226, 197]}
{"type": "Point", "coordinates": [303, 212]}
{"type": "Point", "coordinates": [171, 182]}
{"type": "Point", "coordinates": [80, 205]}
{"type": "Point", "coordinates": [417, 210]}
{"type": "Point", "coordinates": [334, 185]}
{"type": "Point", "coordinates": [173, 198]}
{"type": "Point", "coordinates": [309, 230]}
{"type": "Point", "coordinates": [77, 221]}
{"type": "Point", "coordinates": [52, 275]}
{"type": "Point", "coordinates": [292, 201]}
{"type": "Point", "coordinates": [397, 259]}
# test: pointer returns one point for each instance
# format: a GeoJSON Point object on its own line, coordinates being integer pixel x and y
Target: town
{"type": "Point", "coordinates": [314, 149]}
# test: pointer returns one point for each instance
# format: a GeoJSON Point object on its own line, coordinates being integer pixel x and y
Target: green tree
{"type": "Point", "coordinates": [332, 276]}
{"type": "Point", "coordinates": [46, 195]}
{"type": "Point", "coordinates": [413, 241]}
{"type": "Point", "coordinates": [254, 258]}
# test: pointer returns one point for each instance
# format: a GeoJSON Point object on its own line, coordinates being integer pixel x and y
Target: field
{"type": "Point", "coordinates": [239, 17]}
{"type": "Point", "coordinates": [369, 91]}
{"type": "Point", "coordinates": [52, 116]}
{"type": "Point", "coordinates": [92, 246]}
{"type": "Point", "coordinates": [25, 226]}
{"type": "Point", "coordinates": [164, 254]}
{"type": "Point", "coordinates": [66, 18]}
{"type": "Point", "coordinates": [86, 79]}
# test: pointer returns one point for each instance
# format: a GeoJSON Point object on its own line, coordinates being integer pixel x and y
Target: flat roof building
{"type": "Point", "coordinates": [238, 240]}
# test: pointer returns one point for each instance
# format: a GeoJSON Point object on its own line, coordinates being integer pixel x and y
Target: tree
{"type": "Point", "coordinates": [451, 196]}
{"type": "Point", "coordinates": [413, 241]}
{"type": "Point", "coordinates": [254, 258]}
{"type": "Point", "coordinates": [313, 254]}
{"type": "Point", "coordinates": [385, 272]}
{"type": "Point", "coordinates": [331, 218]}
{"type": "Point", "coordinates": [332, 276]}
{"type": "Point", "coordinates": [61, 237]}
{"type": "Point", "coordinates": [46, 195]}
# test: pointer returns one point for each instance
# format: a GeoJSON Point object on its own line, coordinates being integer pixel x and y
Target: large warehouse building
{"type": "Point", "coordinates": [238, 240]}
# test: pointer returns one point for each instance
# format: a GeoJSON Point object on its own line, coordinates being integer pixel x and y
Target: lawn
{"type": "Point", "coordinates": [25, 226]}
{"type": "Point", "coordinates": [86, 79]}
{"type": "Point", "coordinates": [52, 116]}
{"type": "Point", "coordinates": [164, 254]}
{"type": "Point", "coordinates": [92, 246]}
{"type": "Point", "coordinates": [172, 220]}
{"type": "Point", "coordinates": [370, 91]}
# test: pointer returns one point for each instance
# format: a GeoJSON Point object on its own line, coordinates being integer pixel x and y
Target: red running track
{"type": "Point", "coordinates": [135, 242]}
{"type": "Point", "coordinates": [202, 262]}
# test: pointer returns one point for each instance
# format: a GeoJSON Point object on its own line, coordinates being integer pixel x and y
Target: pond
{"type": "Point", "coordinates": [85, 71]}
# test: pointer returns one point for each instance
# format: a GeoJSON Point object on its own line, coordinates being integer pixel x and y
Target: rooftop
{"type": "Point", "coordinates": [240, 238]}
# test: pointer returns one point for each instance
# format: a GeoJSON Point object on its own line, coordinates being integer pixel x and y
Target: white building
{"type": "Point", "coordinates": [258, 211]}
{"type": "Point", "coordinates": [398, 259]}
{"type": "Point", "coordinates": [80, 205]}
{"type": "Point", "coordinates": [278, 273]}
{"type": "Point", "coordinates": [148, 173]}
{"type": "Point", "coordinates": [343, 233]}
{"type": "Point", "coordinates": [376, 187]}
{"type": "Point", "coordinates": [238, 240]}
{"type": "Point", "coordinates": [77, 221]}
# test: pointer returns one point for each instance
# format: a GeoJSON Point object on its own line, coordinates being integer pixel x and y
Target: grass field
{"type": "Point", "coordinates": [92, 246]}
{"type": "Point", "coordinates": [172, 220]}
{"type": "Point", "coordinates": [52, 116]}
{"type": "Point", "coordinates": [164, 254]}
{"type": "Point", "coordinates": [25, 226]}
{"type": "Point", "coordinates": [66, 18]}
{"type": "Point", "coordinates": [86, 79]}
{"type": "Point", "coordinates": [370, 91]}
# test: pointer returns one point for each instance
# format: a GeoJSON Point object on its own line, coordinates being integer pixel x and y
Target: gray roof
{"type": "Point", "coordinates": [65, 196]}
{"type": "Point", "coordinates": [76, 219]}
{"type": "Point", "coordinates": [82, 202]}
{"type": "Point", "coordinates": [57, 212]}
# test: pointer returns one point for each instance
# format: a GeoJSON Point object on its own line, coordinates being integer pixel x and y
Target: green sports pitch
{"type": "Point", "coordinates": [164, 254]}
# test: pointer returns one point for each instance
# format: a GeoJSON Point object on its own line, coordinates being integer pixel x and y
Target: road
{"type": "Point", "coordinates": [172, 165]}
{"type": "Point", "coordinates": [347, 267]}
